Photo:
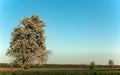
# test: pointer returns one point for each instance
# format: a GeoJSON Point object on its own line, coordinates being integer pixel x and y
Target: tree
{"type": "Point", "coordinates": [111, 63]}
{"type": "Point", "coordinates": [27, 44]}
{"type": "Point", "coordinates": [92, 65]}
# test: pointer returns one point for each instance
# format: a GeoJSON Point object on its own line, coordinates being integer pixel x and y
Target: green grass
{"type": "Point", "coordinates": [5, 65]}
{"type": "Point", "coordinates": [59, 72]}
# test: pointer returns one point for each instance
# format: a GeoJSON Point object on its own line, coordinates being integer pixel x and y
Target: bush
{"type": "Point", "coordinates": [92, 65]}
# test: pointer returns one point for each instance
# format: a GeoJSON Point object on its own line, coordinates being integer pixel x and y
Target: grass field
{"type": "Point", "coordinates": [5, 65]}
{"type": "Point", "coordinates": [60, 72]}
{"type": "Point", "coordinates": [58, 69]}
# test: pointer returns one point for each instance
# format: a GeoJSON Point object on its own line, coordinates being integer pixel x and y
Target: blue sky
{"type": "Point", "coordinates": [77, 31]}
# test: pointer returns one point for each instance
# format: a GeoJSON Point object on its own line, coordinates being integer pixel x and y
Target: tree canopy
{"type": "Point", "coordinates": [111, 62]}
{"type": "Point", "coordinates": [27, 45]}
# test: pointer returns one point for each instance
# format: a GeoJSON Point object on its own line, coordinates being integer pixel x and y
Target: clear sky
{"type": "Point", "coordinates": [77, 31]}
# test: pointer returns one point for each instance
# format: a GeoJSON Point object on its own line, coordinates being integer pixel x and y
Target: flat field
{"type": "Point", "coordinates": [52, 69]}
{"type": "Point", "coordinates": [59, 72]}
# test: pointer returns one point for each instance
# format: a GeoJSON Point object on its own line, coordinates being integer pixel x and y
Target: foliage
{"type": "Point", "coordinates": [111, 63]}
{"type": "Point", "coordinates": [92, 65]}
{"type": "Point", "coordinates": [27, 42]}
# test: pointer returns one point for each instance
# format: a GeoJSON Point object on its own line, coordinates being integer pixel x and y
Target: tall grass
{"type": "Point", "coordinates": [59, 72]}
